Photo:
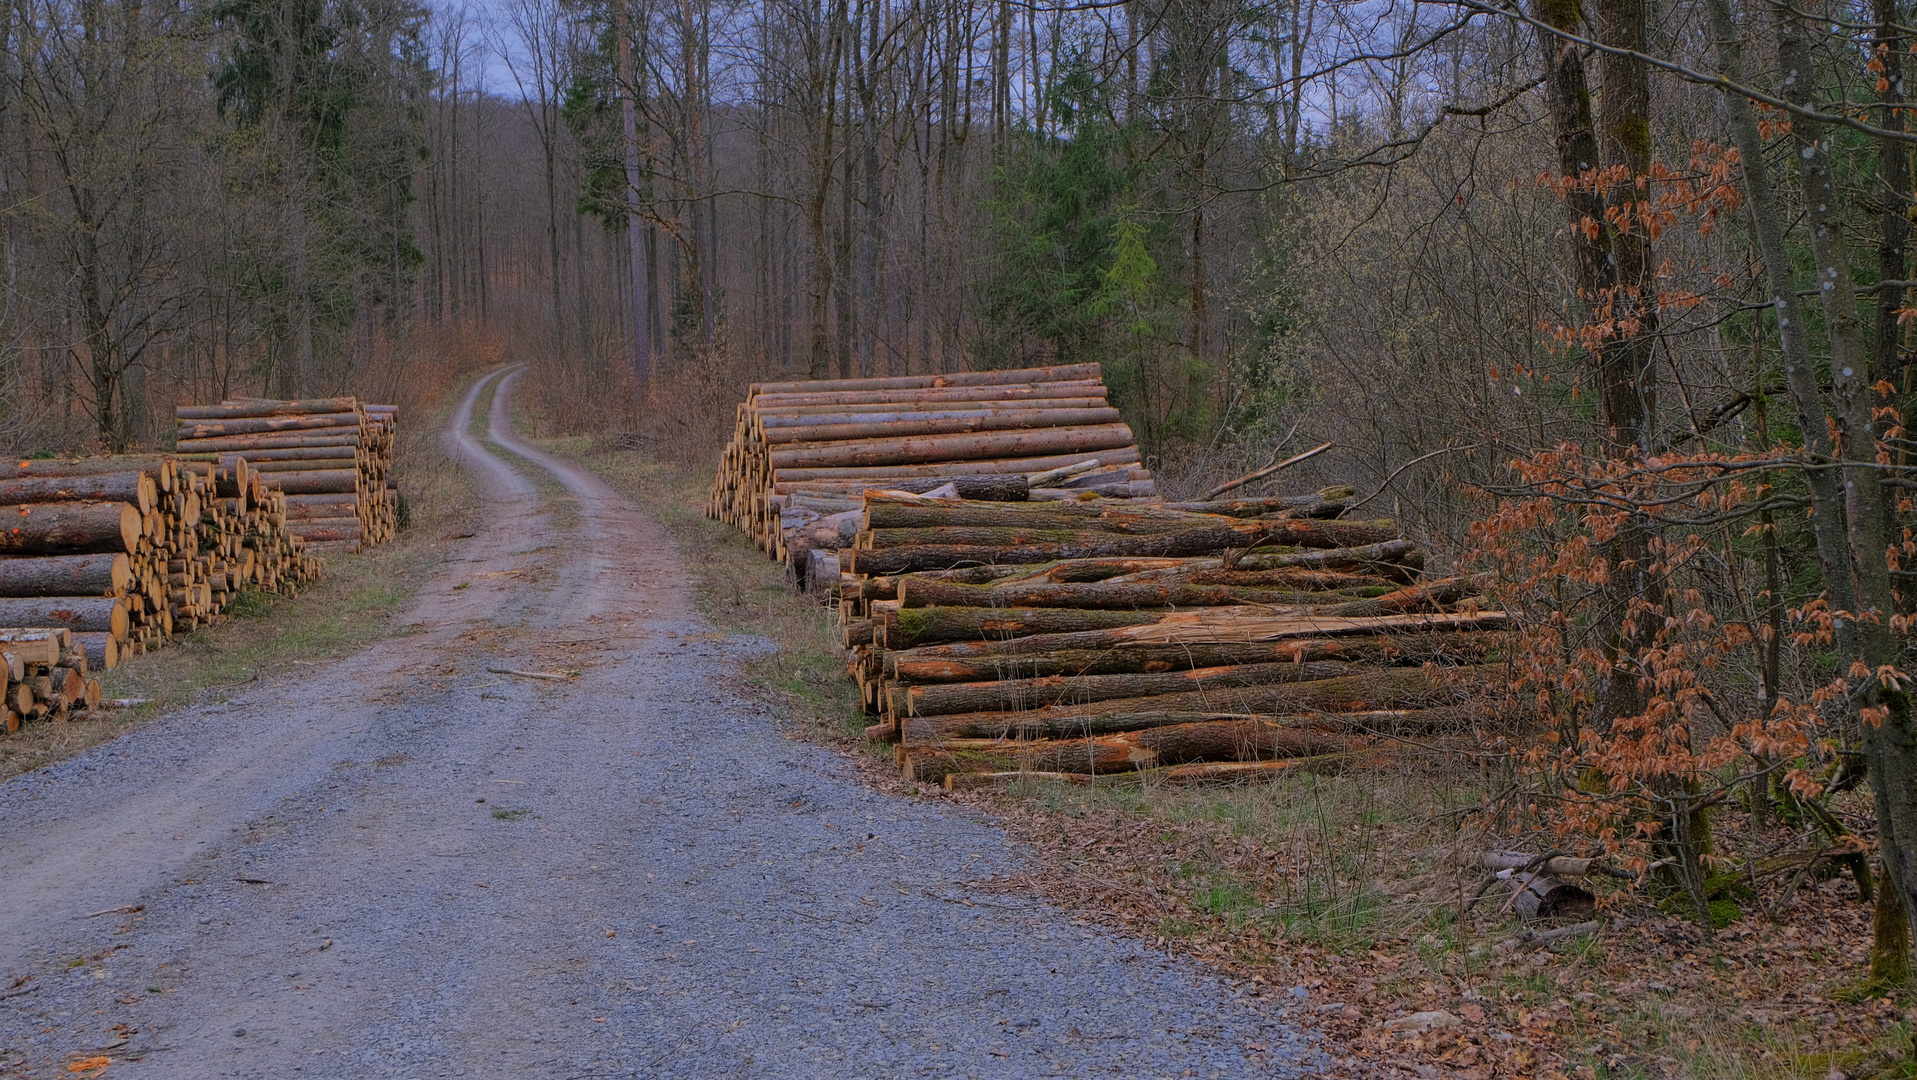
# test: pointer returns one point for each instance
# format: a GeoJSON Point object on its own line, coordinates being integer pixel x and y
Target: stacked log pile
{"type": "Point", "coordinates": [1189, 641]}
{"type": "Point", "coordinates": [125, 552]}
{"type": "Point", "coordinates": [330, 458]}
{"type": "Point", "coordinates": [802, 452]}
{"type": "Point", "coordinates": [47, 676]}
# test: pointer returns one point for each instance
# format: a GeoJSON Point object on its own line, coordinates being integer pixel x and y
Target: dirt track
{"type": "Point", "coordinates": [404, 865]}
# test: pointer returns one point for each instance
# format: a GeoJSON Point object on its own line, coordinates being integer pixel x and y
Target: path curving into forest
{"type": "Point", "coordinates": [405, 865]}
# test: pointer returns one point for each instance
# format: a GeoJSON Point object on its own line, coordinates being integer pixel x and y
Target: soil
{"type": "Point", "coordinates": [411, 864]}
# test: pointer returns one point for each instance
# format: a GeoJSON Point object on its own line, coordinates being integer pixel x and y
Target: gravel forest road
{"type": "Point", "coordinates": [406, 865]}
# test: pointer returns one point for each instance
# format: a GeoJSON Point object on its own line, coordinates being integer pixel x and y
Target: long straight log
{"type": "Point", "coordinates": [101, 613]}
{"type": "Point", "coordinates": [1126, 455]}
{"type": "Point", "coordinates": [993, 488]}
{"type": "Point", "coordinates": [1058, 373]}
{"type": "Point", "coordinates": [162, 468]}
{"type": "Point", "coordinates": [1220, 740]}
{"type": "Point", "coordinates": [66, 575]}
{"type": "Point", "coordinates": [887, 588]}
{"type": "Point", "coordinates": [943, 699]}
{"type": "Point", "coordinates": [921, 399]}
{"type": "Point", "coordinates": [221, 429]}
{"type": "Point", "coordinates": [1209, 540]}
{"type": "Point", "coordinates": [324, 498]}
{"type": "Point", "coordinates": [226, 458]}
{"type": "Point", "coordinates": [768, 415]}
{"type": "Point", "coordinates": [886, 513]}
{"type": "Point", "coordinates": [310, 483]}
{"type": "Point", "coordinates": [1369, 691]}
{"type": "Point", "coordinates": [922, 626]}
{"type": "Point", "coordinates": [1296, 578]}
{"type": "Point", "coordinates": [131, 486]}
{"type": "Point", "coordinates": [69, 528]}
{"type": "Point", "coordinates": [899, 425]}
{"type": "Point", "coordinates": [282, 441]}
{"type": "Point", "coordinates": [347, 510]}
{"type": "Point", "coordinates": [962, 663]}
{"type": "Point", "coordinates": [237, 408]}
{"type": "Point", "coordinates": [1088, 440]}
{"type": "Point", "coordinates": [1326, 503]}
{"type": "Point", "coordinates": [1041, 725]}
{"type": "Point", "coordinates": [309, 531]}
{"type": "Point", "coordinates": [302, 465]}
{"type": "Point", "coordinates": [918, 592]}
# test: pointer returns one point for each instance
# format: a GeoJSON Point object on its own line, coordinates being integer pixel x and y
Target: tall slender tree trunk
{"type": "Point", "coordinates": [639, 344]}
{"type": "Point", "coordinates": [1890, 746]}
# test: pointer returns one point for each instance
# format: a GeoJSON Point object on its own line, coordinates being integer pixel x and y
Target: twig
{"type": "Point", "coordinates": [1469, 902]}
{"type": "Point", "coordinates": [552, 676]}
{"type": "Point", "coordinates": [128, 910]}
{"type": "Point", "coordinates": [1402, 468]}
{"type": "Point", "coordinates": [1531, 939]}
{"type": "Point", "coordinates": [1267, 470]}
{"type": "Point", "coordinates": [23, 990]}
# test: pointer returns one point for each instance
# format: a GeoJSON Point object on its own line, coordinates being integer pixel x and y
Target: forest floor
{"type": "Point", "coordinates": [1338, 892]}
{"type": "Point", "coordinates": [416, 859]}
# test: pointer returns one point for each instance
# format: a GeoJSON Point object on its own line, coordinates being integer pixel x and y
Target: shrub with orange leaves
{"type": "Point", "coordinates": [1654, 648]}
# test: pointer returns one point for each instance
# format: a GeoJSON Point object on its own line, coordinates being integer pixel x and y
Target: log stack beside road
{"type": "Point", "coordinates": [330, 457]}
{"type": "Point", "coordinates": [1018, 601]}
{"type": "Point", "coordinates": [1190, 641]}
{"type": "Point", "coordinates": [125, 552]}
{"type": "Point", "coordinates": [47, 676]}
{"type": "Point", "coordinates": [802, 452]}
